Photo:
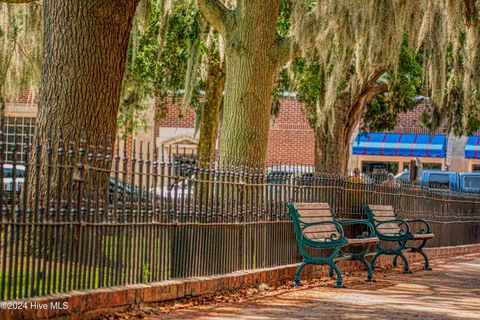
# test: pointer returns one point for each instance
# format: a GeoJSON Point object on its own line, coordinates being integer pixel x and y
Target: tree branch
{"type": "Point", "coordinates": [216, 14]}
{"type": "Point", "coordinates": [369, 92]}
{"type": "Point", "coordinates": [373, 91]}
{"type": "Point", "coordinates": [291, 47]}
{"type": "Point", "coordinates": [286, 50]}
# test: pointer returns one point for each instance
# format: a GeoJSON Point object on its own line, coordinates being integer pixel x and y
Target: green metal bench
{"type": "Point", "coordinates": [316, 228]}
{"type": "Point", "coordinates": [390, 229]}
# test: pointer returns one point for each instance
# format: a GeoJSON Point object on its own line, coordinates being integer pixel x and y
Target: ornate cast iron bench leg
{"type": "Point", "coordinates": [369, 267]}
{"type": "Point", "coordinates": [374, 258]}
{"type": "Point", "coordinates": [419, 250]}
{"type": "Point", "coordinates": [334, 266]}
{"type": "Point", "coordinates": [330, 272]}
{"type": "Point", "coordinates": [395, 260]}
{"type": "Point", "coordinates": [296, 278]}
{"type": "Point", "coordinates": [396, 253]}
{"type": "Point", "coordinates": [406, 267]}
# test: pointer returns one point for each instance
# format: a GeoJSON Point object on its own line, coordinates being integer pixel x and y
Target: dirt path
{"type": "Point", "coordinates": [451, 291]}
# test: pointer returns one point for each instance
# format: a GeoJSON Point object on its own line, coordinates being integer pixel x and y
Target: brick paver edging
{"type": "Point", "coordinates": [87, 304]}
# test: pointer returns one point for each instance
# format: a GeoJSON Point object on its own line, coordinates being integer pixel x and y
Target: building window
{"type": "Point", "coordinates": [431, 166]}
{"type": "Point", "coordinates": [475, 167]}
{"type": "Point", "coordinates": [369, 167]}
{"type": "Point", "coordinates": [19, 131]}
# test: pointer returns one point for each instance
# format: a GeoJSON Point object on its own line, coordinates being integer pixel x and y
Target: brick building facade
{"type": "Point", "coordinates": [290, 140]}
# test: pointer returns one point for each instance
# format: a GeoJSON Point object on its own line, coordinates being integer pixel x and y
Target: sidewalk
{"type": "Point", "coordinates": [450, 291]}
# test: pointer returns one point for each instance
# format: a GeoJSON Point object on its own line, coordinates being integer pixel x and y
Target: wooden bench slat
{"type": "Point", "coordinates": [389, 232]}
{"type": "Point", "coordinates": [314, 229]}
{"type": "Point", "coordinates": [315, 219]}
{"type": "Point", "coordinates": [381, 219]}
{"type": "Point", "coordinates": [390, 227]}
{"type": "Point", "coordinates": [308, 205]}
{"type": "Point", "coordinates": [383, 210]}
{"type": "Point", "coordinates": [383, 213]}
{"type": "Point", "coordinates": [419, 236]}
{"type": "Point", "coordinates": [321, 235]}
{"type": "Point", "coordinates": [314, 213]}
{"type": "Point", "coordinates": [321, 226]}
{"type": "Point", "coordinates": [380, 207]}
{"type": "Point", "coordinates": [362, 241]}
{"type": "Point", "coordinates": [384, 224]}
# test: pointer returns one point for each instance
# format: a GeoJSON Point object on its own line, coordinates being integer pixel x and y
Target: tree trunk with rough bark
{"type": "Point", "coordinates": [2, 109]}
{"type": "Point", "coordinates": [332, 149]}
{"type": "Point", "coordinates": [253, 56]}
{"type": "Point", "coordinates": [210, 121]}
{"type": "Point", "coordinates": [249, 83]}
{"type": "Point", "coordinates": [210, 114]}
{"type": "Point", "coordinates": [85, 49]}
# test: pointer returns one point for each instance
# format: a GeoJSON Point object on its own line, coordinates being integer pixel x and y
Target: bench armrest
{"type": "Point", "coordinates": [337, 225]}
{"type": "Point", "coordinates": [423, 222]}
{"type": "Point", "coordinates": [399, 221]}
{"type": "Point", "coordinates": [364, 222]}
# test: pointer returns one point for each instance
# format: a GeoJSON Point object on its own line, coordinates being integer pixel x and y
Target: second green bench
{"type": "Point", "coordinates": [399, 233]}
{"type": "Point", "coordinates": [316, 228]}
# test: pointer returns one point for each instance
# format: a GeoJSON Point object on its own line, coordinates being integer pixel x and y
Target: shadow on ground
{"type": "Point", "coordinates": [450, 291]}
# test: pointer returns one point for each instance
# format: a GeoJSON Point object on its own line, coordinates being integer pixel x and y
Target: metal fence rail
{"type": "Point", "coordinates": [75, 216]}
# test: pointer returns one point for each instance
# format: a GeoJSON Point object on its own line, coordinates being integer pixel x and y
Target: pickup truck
{"type": "Point", "coordinates": [434, 180]}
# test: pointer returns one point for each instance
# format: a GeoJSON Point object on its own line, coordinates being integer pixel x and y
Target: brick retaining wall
{"type": "Point", "coordinates": [88, 304]}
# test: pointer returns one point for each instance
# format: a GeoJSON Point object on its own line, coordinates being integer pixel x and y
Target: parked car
{"type": "Point", "coordinates": [118, 189]}
{"type": "Point", "coordinates": [176, 187]}
{"type": "Point", "coordinates": [441, 181]}
{"type": "Point", "coordinates": [280, 179]}
{"type": "Point", "coordinates": [404, 178]}
{"type": "Point", "coordinates": [8, 180]}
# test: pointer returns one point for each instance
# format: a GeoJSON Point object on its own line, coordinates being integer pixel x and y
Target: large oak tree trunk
{"type": "Point", "coordinates": [249, 84]}
{"type": "Point", "coordinates": [85, 48]}
{"type": "Point", "coordinates": [332, 148]}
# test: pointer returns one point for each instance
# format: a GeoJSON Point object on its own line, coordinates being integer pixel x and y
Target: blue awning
{"type": "Point", "coordinates": [400, 144]}
{"type": "Point", "coordinates": [472, 150]}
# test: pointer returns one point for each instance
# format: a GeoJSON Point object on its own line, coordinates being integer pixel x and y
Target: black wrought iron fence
{"type": "Point", "coordinates": [75, 216]}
